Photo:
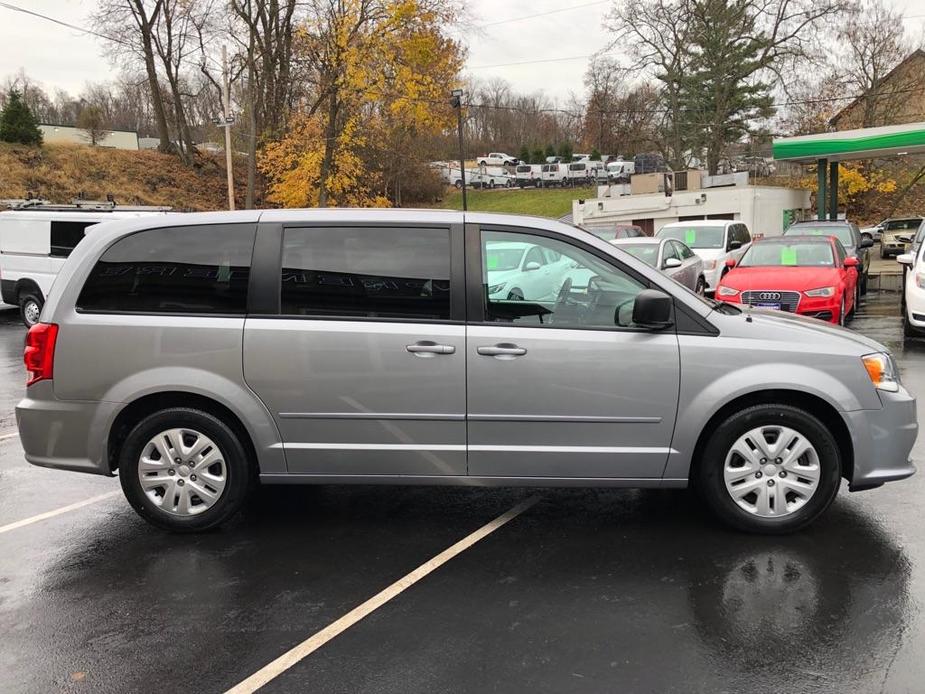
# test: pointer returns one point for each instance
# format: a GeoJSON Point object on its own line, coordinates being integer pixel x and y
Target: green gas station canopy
{"type": "Point", "coordinates": [865, 143]}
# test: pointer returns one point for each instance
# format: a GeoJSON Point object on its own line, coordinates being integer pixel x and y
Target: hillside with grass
{"type": "Point", "coordinates": [59, 173]}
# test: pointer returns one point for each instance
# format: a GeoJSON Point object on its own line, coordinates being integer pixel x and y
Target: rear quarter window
{"type": "Point", "coordinates": [198, 270]}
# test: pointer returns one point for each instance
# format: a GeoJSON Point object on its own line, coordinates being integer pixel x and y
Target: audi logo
{"type": "Point", "coordinates": [769, 296]}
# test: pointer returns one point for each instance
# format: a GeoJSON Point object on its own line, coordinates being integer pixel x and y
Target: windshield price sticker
{"type": "Point", "coordinates": [788, 256]}
{"type": "Point", "coordinates": [492, 262]}
{"type": "Point", "coordinates": [690, 236]}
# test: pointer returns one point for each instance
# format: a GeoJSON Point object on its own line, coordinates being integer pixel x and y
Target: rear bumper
{"type": "Point", "coordinates": [68, 435]}
{"type": "Point", "coordinates": [883, 440]}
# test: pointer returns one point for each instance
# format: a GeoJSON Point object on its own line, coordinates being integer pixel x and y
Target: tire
{"type": "Point", "coordinates": [516, 294]}
{"type": "Point", "coordinates": [882, 256]}
{"type": "Point", "coordinates": [701, 287]}
{"type": "Point", "coordinates": [237, 473]}
{"type": "Point", "coordinates": [824, 455]}
{"type": "Point", "coordinates": [841, 312]}
{"type": "Point", "coordinates": [864, 285]}
{"type": "Point", "coordinates": [458, 184]}
{"type": "Point", "coordinates": [483, 163]}
{"type": "Point", "coordinates": [30, 306]}
{"type": "Point", "coordinates": [910, 330]}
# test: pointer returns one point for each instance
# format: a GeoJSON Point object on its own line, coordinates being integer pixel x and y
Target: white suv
{"type": "Point", "coordinates": [714, 240]}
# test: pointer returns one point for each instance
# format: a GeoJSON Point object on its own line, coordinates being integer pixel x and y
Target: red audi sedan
{"type": "Point", "coordinates": [810, 275]}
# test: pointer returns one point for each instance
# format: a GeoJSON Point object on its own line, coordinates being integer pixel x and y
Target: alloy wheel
{"type": "Point", "coordinates": [31, 311]}
{"type": "Point", "coordinates": [182, 472]}
{"type": "Point", "coordinates": [772, 471]}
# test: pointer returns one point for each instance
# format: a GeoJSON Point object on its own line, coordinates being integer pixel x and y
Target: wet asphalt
{"type": "Point", "coordinates": [588, 591]}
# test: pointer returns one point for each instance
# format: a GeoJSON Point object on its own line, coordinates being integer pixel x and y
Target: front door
{"type": "Point", "coordinates": [565, 387]}
{"type": "Point", "coordinates": [363, 368]}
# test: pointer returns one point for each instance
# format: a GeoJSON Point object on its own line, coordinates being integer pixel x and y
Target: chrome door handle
{"type": "Point", "coordinates": [502, 350]}
{"type": "Point", "coordinates": [426, 348]}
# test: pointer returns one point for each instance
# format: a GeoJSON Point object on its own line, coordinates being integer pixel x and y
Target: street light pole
{"type": "Point", "coordinates": [456, 101]}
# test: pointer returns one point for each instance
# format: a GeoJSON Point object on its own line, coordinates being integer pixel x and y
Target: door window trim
{"type": "Point", "coordinates": [267, 262]}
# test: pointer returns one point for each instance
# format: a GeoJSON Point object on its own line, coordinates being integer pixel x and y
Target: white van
{"type": "Point", "coordinates": [619, 171]}
{"type": "Point", "coordinates": [582, 172]}
{"type": "Point", "coordinates": [554, 174]}
{"type": "Point", "coordinates": [529, 175]}
{"type": "Point", "coordinates": [35, 240]}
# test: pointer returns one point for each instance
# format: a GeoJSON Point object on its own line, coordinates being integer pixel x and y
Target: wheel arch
{"type": "Point", "coordinates": [146, 405]}
{"type": "Point", "coordinates": [813, 404]}
{"type": "Point", "coordinates": [25, 284]}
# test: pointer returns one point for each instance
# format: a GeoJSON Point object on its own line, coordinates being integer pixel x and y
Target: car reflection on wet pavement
{"type": "Point", "coordinates": [587, 591]}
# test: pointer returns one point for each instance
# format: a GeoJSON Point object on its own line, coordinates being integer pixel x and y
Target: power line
{"type": "Point", "coordinates": [542, 14]}
{"type": "Point", "coordinates": [531, 62]}
{"type": "Point", "coordinates": [16, 8]}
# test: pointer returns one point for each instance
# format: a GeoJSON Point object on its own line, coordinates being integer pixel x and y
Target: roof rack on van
{"type": "Point", "coordinates": [81, 205]}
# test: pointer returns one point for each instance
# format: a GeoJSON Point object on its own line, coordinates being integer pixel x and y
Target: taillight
{"type": "Point", "coordinates": [39, 354]}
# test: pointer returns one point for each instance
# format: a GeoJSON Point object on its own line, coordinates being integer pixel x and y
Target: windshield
{"type": "Point", "coordinates": [902, 224]}
{"type": "Point", "coordinates": [796, 254]}
{"type": "Point", "coordinates": [694, 236]}
{"type": "Point", "coordinates": [842, 233]}
{"type": "Point", "coordinates": [646, 252]}
{"type": "Point", "coordinates": [501, 259]}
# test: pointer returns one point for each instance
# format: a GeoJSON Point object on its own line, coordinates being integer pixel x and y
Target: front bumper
{"type": "Point", "coordinates": [893, 246]}
{"type": "Point", "coordinates": [68, 435]}
{"type": "Point", "coordinates": [883, 440]}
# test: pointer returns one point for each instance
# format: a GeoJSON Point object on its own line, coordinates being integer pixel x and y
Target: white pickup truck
{"type": "Point", "coordinates": [497, 159]}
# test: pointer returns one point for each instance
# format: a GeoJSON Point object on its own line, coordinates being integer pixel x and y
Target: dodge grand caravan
{"type": "Point", "coordinates": [196, 355]}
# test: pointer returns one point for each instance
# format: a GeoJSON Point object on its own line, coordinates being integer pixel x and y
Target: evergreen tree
{"type": "Point", "coordinates": [524, 155]}
{"type": "Point", "coordinates": [595, 155]}
{"type": "Point", "coordinates": [17, 124]}
{"type": "Point", "coordinates": [565, 152]}
{"type": "Point", "coordinates": [538, 156]}
{"type": "Point", "coordinates": [550, 151]}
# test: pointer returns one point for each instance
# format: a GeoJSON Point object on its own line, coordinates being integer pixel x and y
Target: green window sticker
{"type": "Point", "coordinates": [788, 255]}
{"type": "Point", "coordinates": [690, 236]}
{"type": "Point", "coordinates": [492, 262]}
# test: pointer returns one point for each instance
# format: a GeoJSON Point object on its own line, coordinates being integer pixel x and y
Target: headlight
{"type": "Point", "coordinates": [920, 280]}
{"type": "Point", "coordinates": [709, 264]}
{"type": "Point", "coordinates": [822, 291]}
{"type": "Point", "coordinates": [495, 288]}
{"type": "Point", "coordinates": [882, 371]}
{"type": "Point", "coordinates": [727, 291]}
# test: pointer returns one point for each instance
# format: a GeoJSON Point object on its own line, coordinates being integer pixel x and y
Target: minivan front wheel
{"type": "Point", "coordinates": [770, 469]}
{"type": "Point", "coordinates": [184, 470]}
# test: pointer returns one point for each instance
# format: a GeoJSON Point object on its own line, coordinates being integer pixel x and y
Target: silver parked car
{"type": "Point", "coordinates": [198, 354]}
{"type": "Point", "coordinates": [672, 257]}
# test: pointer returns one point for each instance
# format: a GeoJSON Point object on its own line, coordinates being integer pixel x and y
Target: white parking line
{"type": "Point", "coordinates": [4, 437]}
{"type": "Point", "coordinates": [56, 512]}
{"type": "Point", "coordinates": [313, 643]}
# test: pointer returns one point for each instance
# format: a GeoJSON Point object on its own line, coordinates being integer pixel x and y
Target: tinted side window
{"type": "Point", "coordinates": [65, 236]}
{"type": "Point", "coordinates": [671, 251]}
{"type": "Point", "coordinates": [202, 270]}
{"type": "Point", "coordinates": [374, 272]}
{"type": "Point", "coordinates": [744, 234]}
{"type": "Point", "coordinates": [685, 251]}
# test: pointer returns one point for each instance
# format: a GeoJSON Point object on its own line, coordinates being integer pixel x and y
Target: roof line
{"type": "Point", "coordinates": [918, 52]}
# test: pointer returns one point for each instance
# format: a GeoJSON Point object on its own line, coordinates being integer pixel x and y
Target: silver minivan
{"type": "Point", "coordinates": [196, 355]}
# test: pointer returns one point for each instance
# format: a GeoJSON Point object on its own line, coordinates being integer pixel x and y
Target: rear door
{"type": "Point", "coordinates": [567, 387]}
{"type": "Point", "coordinates": [356, 344]}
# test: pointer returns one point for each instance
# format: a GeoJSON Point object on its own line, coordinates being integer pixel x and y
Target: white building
{"type": "Point", "coordinates": [767, 210]}
{"type": "Point", "coordinates": [69, 135]}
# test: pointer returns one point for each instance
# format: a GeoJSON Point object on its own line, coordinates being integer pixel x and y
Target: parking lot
{"type": "Point", "coordinates": [584, 591]}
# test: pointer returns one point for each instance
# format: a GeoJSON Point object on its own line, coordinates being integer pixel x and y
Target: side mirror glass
{"type": "Point", "coordinates": [671, 263]}
{"type": "Point", "coordinates": [905, 259]}
{"type": "Point", "coordinates": [652, 309]}
{"type": "Point", "coordinates": [531, 266]}
{"type": "Point", "coordinates": [734, 244]}
{"type": "Point", "coordinates": [866, 242]}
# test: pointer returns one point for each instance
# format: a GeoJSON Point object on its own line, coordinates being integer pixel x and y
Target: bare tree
{"type": "Point", "coordinates": [130, 27]}
{"type": "Point", "coordinates": [92, 121]}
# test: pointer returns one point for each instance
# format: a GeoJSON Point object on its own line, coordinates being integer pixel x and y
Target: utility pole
{"type": "Point", "coordinates": [456, 102]}
{"type": "Point", "coordinates": [229, 120]}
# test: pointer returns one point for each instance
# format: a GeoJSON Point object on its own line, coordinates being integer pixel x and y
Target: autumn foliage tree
{"type": "Point", "coordinates": [381, 70]}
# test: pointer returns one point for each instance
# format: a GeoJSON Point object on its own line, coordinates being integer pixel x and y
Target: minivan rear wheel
{"type": "Point", "coordinates": [770, 469]}
{"type": "Point", "coordinates": [184, 470]}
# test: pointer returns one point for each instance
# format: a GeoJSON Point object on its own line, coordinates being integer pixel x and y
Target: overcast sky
{"type": "Point", "coordinates": [509, 33]}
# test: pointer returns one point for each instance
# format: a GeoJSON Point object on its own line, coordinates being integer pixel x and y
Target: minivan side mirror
{"type": "Point", "coordinates": [866, 242]}
{"type": "Point", "coordinates": [905, 259]}
{"type": "Point", "coordinates": [671, 263]}
{"type": "Point", "coordinates": [531, 266]}
{"type": "Point", "coordinates": [652, 309]}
